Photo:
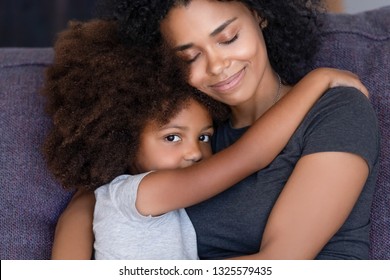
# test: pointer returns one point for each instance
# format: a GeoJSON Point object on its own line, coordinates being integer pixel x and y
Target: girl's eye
{"type": "Point", "coordinates": [231, 40]}
{"type": "Point", "coordinates": [172, 138]}
{"type": "Point", "coordinates": [204, 138]}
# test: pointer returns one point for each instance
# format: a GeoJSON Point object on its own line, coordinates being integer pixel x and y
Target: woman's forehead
{"type": "Point", "coordinates": [200, 16]}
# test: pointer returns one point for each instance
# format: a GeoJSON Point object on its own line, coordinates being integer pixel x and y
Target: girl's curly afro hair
{"type": "Point", "coordinates": [100, 94]}
{"type": "Point", "coordinates": [291, 35]}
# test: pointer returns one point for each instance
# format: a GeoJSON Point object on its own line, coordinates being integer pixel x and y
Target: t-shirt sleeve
{"type": "Point", "coordinates": [121, 194]}
{"type": "Point", "coordinates": [343, 121]}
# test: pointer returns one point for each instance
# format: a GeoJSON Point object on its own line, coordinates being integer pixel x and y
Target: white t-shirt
{"type": "Point", "coordinates": [121, 232]}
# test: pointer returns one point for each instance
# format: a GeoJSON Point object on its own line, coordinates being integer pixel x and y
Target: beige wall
{"type": "Point", "coordinates": [335, 5]}
{"type": "Point", "coordinates": [354, 6]}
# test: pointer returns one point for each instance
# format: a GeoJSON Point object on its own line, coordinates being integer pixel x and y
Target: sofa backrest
{"type": "Point", "coordinates": [361, 43]}
{"type": "Point", "coordinates": [31, 200]}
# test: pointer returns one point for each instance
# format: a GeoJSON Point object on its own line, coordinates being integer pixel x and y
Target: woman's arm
{"type": "Point", "coordinates": [313, 205]}
{"type": "Point", "coordinates": [325, 184]}
{"type": "Point", "coordinates": [163, 191]}
{"type": "Point", "coordinates": [73, 239]}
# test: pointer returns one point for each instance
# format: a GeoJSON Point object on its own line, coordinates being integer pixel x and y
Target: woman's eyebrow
{"type": "Point", "coordinates": [215, 32]}
{"type": "Point", "coordinates": [220, 28]}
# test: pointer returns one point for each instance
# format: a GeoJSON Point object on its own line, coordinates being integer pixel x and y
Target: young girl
{"type": "Point", "coordinates": [120, 111]}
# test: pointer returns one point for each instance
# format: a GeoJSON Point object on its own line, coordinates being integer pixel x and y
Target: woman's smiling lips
{"type": "Point", "coordinates": [229, 83]}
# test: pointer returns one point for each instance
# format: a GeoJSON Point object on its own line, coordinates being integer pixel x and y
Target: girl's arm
{"type": "Point", "coordinates": [73, 239]}
{"type": "Point", "coordinates": [163, 191]}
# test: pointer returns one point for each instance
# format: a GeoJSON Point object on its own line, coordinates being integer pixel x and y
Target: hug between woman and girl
{"type": "Point", "coordinates": [200, 140]}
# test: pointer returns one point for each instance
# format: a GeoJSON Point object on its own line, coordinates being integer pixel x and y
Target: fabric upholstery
{"type": "Point", "coordinates": [361, 43]}
{"type": "Point", "coordinates": [31, 200]}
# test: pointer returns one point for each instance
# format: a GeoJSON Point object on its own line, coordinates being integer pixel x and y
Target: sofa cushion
{"type": "Point", "coordinates": [30, 200]}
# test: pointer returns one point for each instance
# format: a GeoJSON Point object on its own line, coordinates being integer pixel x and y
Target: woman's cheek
{"type": "Point", "coordinates": [194, 79]}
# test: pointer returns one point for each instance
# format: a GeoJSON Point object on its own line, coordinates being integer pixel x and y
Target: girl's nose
{"type": "Point", "coordinates": [193, 153]}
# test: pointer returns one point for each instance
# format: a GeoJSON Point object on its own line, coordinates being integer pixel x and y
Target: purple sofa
{"type": "Point", "coordinates": [31, 200]}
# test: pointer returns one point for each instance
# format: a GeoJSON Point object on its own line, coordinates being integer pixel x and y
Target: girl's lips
{"type": "Point", "coordinates": [229, 83]}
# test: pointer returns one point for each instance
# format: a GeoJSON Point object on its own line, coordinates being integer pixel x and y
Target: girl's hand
{"type": "Point", "coordinates": [344, 78]}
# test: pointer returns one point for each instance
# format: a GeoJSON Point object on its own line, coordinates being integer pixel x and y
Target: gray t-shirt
{"type": "Point", "coordinates": [121, 232]}
{"type": "Point", "coordinates": [232, 223]}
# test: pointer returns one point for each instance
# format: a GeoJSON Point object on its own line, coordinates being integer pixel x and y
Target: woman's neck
{"type": "Point", "coordinates": [246, 113]}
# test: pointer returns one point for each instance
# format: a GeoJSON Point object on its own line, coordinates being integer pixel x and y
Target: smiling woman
{"type": "Point", "coordinates": [226, 54]}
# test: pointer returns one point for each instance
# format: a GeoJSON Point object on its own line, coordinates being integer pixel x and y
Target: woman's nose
{"type": "Point", "coordinates": [217, 62]}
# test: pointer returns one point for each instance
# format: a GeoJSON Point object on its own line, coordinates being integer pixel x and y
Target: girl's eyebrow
{"type": "Point", "coordinates": [211, 126]}
{"type": "Point", "coordinates": [207, 127]}
{"type": "Point", "coordinates": [216, 31]}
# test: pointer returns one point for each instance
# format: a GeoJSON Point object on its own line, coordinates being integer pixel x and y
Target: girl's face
{"type": "Point", "coordinates": [182, 142]}
{"type": "Point", "coordinates": [224, 47]}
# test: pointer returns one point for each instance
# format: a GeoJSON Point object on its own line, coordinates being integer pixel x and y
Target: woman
{"type": "Point", "coordinates": [313, 200]}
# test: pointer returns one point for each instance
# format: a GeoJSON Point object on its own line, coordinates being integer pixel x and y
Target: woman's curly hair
{"type": "Point", "coordinates": [100, 95]}
{"type": "Point", "coordinates": [291, 35]}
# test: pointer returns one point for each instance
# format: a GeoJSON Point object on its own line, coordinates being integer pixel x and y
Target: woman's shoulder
{"type": "Point", "coordinates": [352, 96]}
{"type": "Point", "coordinates": [345, 103]}
{"type": "Point", "coordinates": [342, 120]}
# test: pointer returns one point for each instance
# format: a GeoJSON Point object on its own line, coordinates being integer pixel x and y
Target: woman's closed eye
{"type": "Point", "coordinates": [189, 60]}
{"type": "Point", "coordinates": [228, 42]}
